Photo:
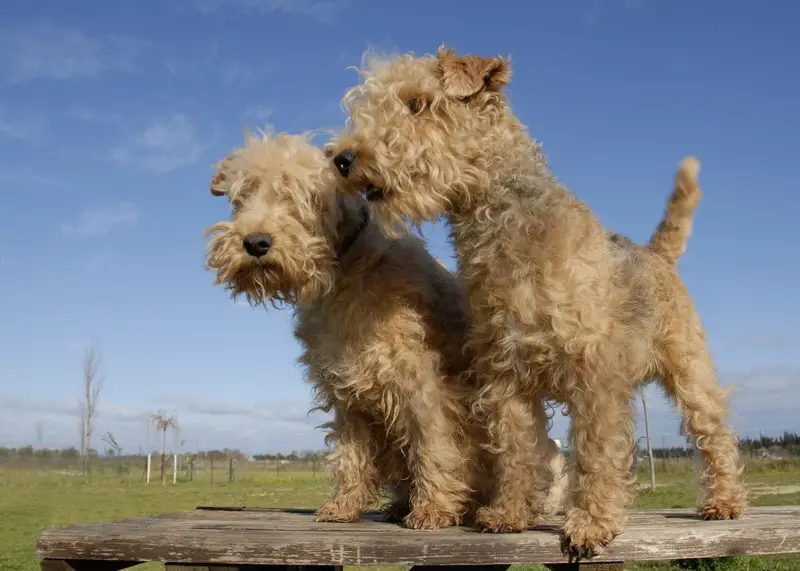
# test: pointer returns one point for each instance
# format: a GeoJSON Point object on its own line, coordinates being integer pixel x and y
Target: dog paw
{"type": "Point", "coordinates": [495, 520]}
{"type": "Point", "coordinates": [334, 513]}
{"type": "Point", "coordinates": [542, 507]}
{"type": "Point", "coordinates": [396, 512]}
{"type": "Point", "coordinates": [717, 509]}
{"type": "Point", "coordinates": [430, 517]}
{"type": "Point", "coordinates": [584, 535]}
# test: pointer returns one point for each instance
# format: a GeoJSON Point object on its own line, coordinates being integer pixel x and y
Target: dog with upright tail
{"type": "Point", "coordinates": [562, 308]}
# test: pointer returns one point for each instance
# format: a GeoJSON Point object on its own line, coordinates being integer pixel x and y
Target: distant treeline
{"type": "Point", "coordinates": [294, 456]}
{"type": "Point", "coordinates": [224, 453]}
{"type": "Point", "coordinates": [788, 444]}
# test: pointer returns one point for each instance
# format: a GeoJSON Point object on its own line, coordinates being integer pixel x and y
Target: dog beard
{"type": "Point", "coordinates": [266, 280]}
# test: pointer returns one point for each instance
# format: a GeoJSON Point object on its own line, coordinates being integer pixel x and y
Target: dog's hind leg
{"type": "Point", "coordinates": [440, 493]}
{"type": "Point", "coordinates": [690, 379]}
{"type": "Point", "coordinates": [426, 426]}
{"type": "Point", "coordinates": [397, 482]}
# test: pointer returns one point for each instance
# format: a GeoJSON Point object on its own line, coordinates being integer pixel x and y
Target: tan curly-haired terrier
{"type": "Point", "coordinates": [382, 325]}
{"type": "Point", "coordinates": [562, 308]}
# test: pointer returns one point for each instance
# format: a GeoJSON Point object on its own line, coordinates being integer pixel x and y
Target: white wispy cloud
{"type": "Point", "coordinates": [234, 73]}
{"type": "Point", "coordinates": [77, 344]}
{"type": "Point", "coordinates": [763, 340]}
{"type": "Point", "coordinates": [259, 113]}
{"type": "Point", "coordinates": [204, 422]}
{"type": "Point", "coordinates": [98, 262]}
{"type": "Point", "coordinates": [212, 60]}
{"type": "Point", "coordinates": [47, 51]}
{"type": "Point", "coordinates": [22, 127]}
{"type": "Point", "coordinates": [26, 178]}
{"type": "Point", "coordinates": [99, 221]}
{"type": "Point", "coordinates": [292, 413]}
{"type": "Point", "coordinates": [763, 400]}
{"type": "Point", "coordinates": [242, 303]}
{"type": "Point", "coordinates": [162, 146]}
{"type": "Point", "coordinates": [92, 115]}
{"type": "Point", "coordinates": [592, 11]}
{"type": "Point", "coordinates": [323, 11]}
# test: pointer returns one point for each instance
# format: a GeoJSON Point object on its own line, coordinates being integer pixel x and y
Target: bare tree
{"type": "Point", "coordinates": [112, 444]}
{"type": "Point", "coordinates": [164, 422]}
{"type": "Point", "coordinates": [92, 384]}
{"type": "Point", "coordinates": [39, 434]}
{"type": "Point", "coordinates": [649, 445]}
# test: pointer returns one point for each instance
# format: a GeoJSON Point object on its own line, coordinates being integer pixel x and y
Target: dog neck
{"type": "Point", "coordinates": [351, 232]}
{"type": "Point", "coordinates": [523, 181]}
{"type": "Point", "coordinates": [522, 174]}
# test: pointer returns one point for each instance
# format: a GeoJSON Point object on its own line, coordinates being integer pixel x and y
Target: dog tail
{"type": "Point", "coordinates": [669, 239]}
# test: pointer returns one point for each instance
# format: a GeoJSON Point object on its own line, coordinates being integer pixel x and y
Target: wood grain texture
{"type": "Point", "coordinates": [181, 567]}
{"type": "Point", "coordinates": [583, 566]}
{"type": "Point", "coordinates": [67, 565]}
{"type": "Point", "coordinates": [242, 536]}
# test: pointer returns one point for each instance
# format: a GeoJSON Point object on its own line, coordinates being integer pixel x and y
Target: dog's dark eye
{"type": "Point", "coordinates": [415, 105]}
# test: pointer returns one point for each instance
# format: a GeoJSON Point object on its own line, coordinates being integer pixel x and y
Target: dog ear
{"type": "Point", "coordinates": [464, 76]}
{"type": "Point", "coordinates": [219, 179]}
{"type": "Point", "coordinates": [216, 184]}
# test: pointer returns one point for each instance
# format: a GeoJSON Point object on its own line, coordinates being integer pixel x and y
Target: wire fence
{"type": "Point", "coordinates": [174, 469]}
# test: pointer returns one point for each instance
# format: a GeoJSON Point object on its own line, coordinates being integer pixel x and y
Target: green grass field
{"type": "Point", "coordinates": [31, 500]}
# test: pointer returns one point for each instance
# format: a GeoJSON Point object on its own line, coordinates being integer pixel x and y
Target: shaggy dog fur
{"type": "Point", "coordinates": [562, 309]}
{"type": "Point", "coordinates": [382, 325]}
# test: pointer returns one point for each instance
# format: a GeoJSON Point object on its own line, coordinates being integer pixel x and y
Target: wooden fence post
{"type": "Point", "coordinates": [650, 459]}
{"type": "Point", "coordinates": [230, 470]}
{"type": "Point", "coordinates": [211, 469]}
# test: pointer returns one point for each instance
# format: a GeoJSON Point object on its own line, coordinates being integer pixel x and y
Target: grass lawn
{"type": "Point", "coordinates": [31, 500]}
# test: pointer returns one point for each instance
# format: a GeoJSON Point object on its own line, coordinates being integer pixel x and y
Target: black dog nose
{"type": "Point", "coordinates": [257, 244]}
{"type": "Point", "coordinates": [344, 161]}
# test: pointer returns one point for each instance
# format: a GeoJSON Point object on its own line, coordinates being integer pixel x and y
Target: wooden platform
{"type": "Point", "coordinates": [236, 538]}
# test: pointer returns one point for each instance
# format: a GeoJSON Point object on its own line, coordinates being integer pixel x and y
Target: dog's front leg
{"type": "Point", "coordinates": [356, 473]}
{"type": "Point", "coordinates": [513, 436]}
{"type": "Point", "coordinates": [602, 433]}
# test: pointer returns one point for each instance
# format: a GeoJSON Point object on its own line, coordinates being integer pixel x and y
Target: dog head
{"type": "Point", "coordinates": [421, 133]}
{"type": "Point", "coordinates": [279, 244]}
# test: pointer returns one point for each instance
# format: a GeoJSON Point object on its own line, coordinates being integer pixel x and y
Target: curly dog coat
{"type": "Point", "coordinates": [382, 325]}
{"type": "Point", "coordinates": [562, 308]}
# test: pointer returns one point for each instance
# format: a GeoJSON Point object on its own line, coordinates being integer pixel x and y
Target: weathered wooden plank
{"type": "Point", "coordinates": [279, 511]}
{"type": "Point", "coordinates": [585, 566]}
{"type": "Point", "coordinates": [72, 565]}
{"type": "Point", "coordinates": [181, 567]}
{"type": "Point", "coordinates": [275, 521]}
{"type": "Point", "coordinates": [279, 517]}
{"type": "Point", "coordinates": [372, 522]}
{"type": "Point", "coordinates": [261, 541]}
{"type": "Point", "coordinates": [460, 567]}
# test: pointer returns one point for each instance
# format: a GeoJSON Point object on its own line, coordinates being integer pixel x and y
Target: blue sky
{"type": "Point", "coordinates": [112, 113]}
